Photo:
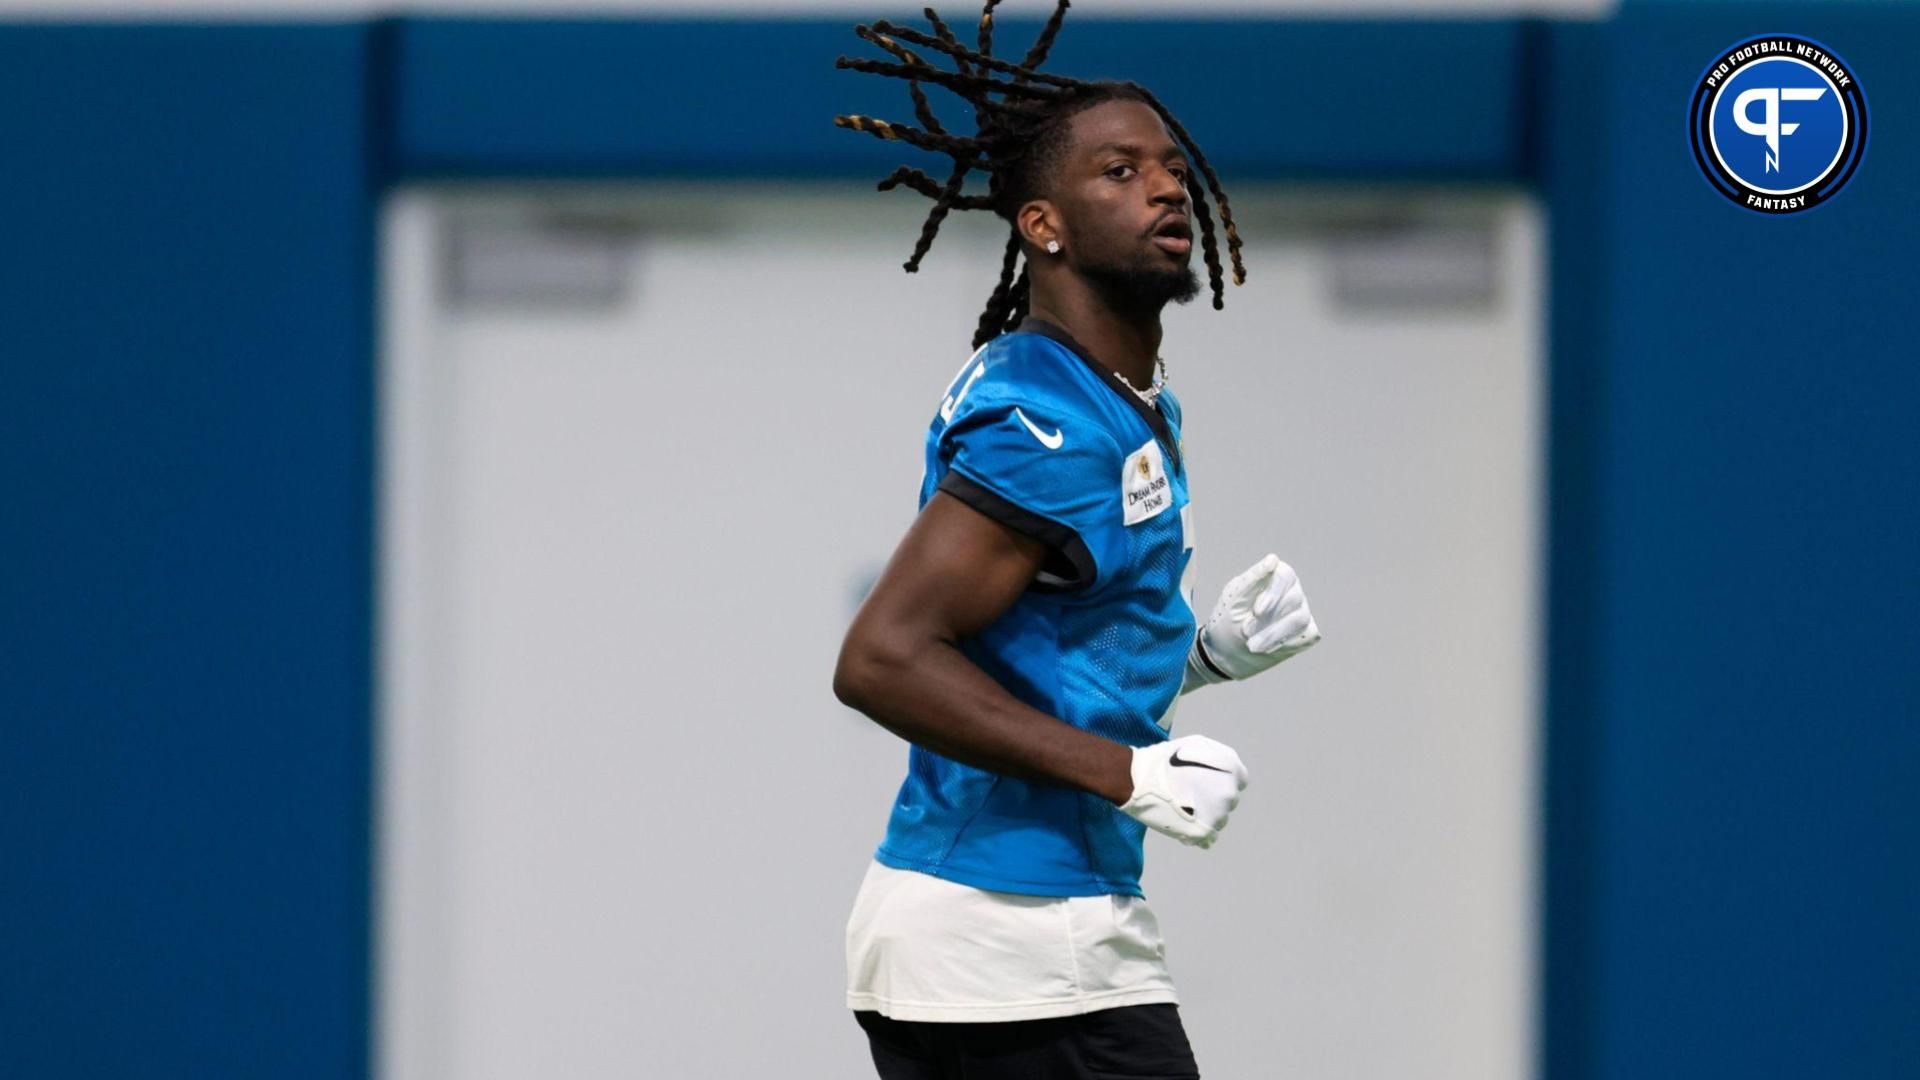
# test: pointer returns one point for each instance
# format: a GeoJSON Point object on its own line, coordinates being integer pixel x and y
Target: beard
{"type": "Point", "coordinates": [1142, 287]}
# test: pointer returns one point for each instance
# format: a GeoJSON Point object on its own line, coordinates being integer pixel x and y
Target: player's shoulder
{"type": "Point", "coordinates": [1029, 370]}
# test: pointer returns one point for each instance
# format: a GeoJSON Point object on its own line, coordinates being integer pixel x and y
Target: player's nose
{"type": "Point", "coordinates": [1167, 189]}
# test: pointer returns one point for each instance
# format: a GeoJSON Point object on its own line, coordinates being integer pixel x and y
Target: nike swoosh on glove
{"type": "Point", "coordinates": [1262, 618]}
{"type": "Point", "coordinates": [1186, 788]}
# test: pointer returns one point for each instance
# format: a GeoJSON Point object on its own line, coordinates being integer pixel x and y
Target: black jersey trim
{"type": "Point", "coordinates": [1069, 565]}
{"type": "Point", "coordinates": [1155, 420]}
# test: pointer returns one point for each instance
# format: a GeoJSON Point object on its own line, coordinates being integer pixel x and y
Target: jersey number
{"type": "Point", "coordinates": [953, 400]}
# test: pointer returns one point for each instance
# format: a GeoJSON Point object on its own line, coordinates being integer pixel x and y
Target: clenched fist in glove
{"type": "Point", "coordinates": [1261, 619]}
{"type": "Point", "coordinates": [1186, 788]}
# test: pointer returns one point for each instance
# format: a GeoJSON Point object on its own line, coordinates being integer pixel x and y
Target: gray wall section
{"type": "Point", "coordinates": [185, 426]}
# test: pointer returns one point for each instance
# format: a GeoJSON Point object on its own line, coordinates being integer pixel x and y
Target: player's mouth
{"type": "Point", "coordinates": [1174, 236]}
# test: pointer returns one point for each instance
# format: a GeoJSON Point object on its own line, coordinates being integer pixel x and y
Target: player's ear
{"type": "Point", "coordinates": [1039, 223]}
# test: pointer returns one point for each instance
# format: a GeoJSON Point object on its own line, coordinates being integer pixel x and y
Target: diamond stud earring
{"type": "Point", "coordinates": [1053, 247]}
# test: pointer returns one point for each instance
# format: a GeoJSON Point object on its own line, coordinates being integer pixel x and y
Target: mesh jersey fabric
{"type": "Point", "coordinates": [1038, 435]}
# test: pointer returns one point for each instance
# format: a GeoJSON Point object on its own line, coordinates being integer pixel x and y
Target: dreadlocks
{"type": "Point", "coordinates": [1022, 119]}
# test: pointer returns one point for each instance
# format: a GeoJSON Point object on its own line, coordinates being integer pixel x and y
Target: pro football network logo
{"type": "Point", "coordinates": [1779, 124]}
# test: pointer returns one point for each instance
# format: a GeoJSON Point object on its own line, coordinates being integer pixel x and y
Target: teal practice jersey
{"type": "Point", "coordinates": [1037, 435]}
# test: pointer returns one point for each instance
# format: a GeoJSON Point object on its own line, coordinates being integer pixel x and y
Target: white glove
{"type": "Point", "coordinates": [1261, 619]}
{"type": "Point", "coordinates": [1186, 787]}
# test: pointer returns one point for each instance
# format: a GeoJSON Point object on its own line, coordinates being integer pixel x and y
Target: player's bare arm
{"type": "Point", "coordinates": [954, 573]}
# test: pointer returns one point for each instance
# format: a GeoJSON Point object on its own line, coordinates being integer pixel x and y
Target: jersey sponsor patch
{"type": "Point", "coordinates": [1144, 489]}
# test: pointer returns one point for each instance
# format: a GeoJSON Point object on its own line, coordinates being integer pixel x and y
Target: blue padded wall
{"type": "Point", "coordinates": [1733, 751]}
{"type": "Point", "coordinates": [1296, 99]}
{"type": "Point", "coordinates": [186, 436]}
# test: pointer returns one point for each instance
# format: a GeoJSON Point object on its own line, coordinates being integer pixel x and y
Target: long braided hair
{"type": "Point", "coordinates": [1022, 119]}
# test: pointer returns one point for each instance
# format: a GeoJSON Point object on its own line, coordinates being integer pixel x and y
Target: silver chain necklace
{"type": "Point", "coordinates": [1151, 395]}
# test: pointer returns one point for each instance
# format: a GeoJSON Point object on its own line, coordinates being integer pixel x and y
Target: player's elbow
{"type": "Point", "coordinates": [867, 665]}
{"type": "Point", "coordinates": [852, 678]}
{"type": "Point", "coordinates": [849, 685]}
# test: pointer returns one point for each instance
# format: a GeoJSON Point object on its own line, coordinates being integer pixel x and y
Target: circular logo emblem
{"type": "Point", "coordinates": [1779, 124]}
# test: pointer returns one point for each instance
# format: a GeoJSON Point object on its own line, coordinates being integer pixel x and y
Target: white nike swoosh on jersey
{"type": "Point", "coordinates": [1051, 442]}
